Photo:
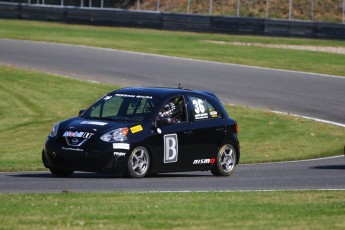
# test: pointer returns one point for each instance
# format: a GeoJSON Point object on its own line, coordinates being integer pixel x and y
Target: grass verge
{"type": "Point", "coordinates": [235, 210]}
{"type": "Point", "coordinates": [32, 102]}
{"type": "Point", "coordinates": [184, 44]}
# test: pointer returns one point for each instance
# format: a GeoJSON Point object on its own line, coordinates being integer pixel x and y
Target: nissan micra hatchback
{"type": "Point", "coordinates": [139, 131]}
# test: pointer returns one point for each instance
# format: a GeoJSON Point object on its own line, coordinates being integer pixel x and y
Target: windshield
{"type": "Point", "coordinates": [121, 107]}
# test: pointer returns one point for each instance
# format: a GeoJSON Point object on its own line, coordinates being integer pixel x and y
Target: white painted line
{"type": "Point", "coordinates": [296, 161]}
{"type": "Point", "coordinates": [211, 62]}
{"type": "Point", "coordinates": [310, 118]}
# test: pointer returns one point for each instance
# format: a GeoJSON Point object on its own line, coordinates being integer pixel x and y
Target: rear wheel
{"type": "Point", "coordinates": [138, 162]}
{"type": "Point", "coordinates": [61, 172]}
{"type": "Point", "coordinates": [226, 161]}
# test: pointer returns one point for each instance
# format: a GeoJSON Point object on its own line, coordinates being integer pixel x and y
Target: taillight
{"type": "Point", "coordinates": [236, 128]}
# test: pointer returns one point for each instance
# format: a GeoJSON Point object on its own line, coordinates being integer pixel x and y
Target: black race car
{"type": "Point", "coordinates": [141, 131]}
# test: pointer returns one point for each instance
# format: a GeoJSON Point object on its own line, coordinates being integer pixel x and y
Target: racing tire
{"type": "Point", "coordinates": [138, 162]}
{"type": "Point", "coordinates": [226, 161]}
{"type": "Point", "coordinates": [61, 172]}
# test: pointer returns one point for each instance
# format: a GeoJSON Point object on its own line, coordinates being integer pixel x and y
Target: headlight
{"type": "Point", "coordinates": [115, 135]}
{"type": "Point", "coordinates": [54, 130]}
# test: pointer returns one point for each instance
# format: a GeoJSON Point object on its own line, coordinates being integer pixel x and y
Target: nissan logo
{"type": "Point", "coordinates": [75, 141]}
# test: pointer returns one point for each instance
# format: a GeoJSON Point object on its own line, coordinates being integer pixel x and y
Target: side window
{"type": "Point", "coordinates": [213, 112]}
{"type": "Point", "coordinates": [175, 109]}
{"type": "Point", "coordinates": [95, 113]}
{"type": "Point", "coordinates": [202, 109]}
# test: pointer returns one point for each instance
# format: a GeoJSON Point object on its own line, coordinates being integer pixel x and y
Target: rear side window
{"type": "Point", "coordinates": [203, 109]}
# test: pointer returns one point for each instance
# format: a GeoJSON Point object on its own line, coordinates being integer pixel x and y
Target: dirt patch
{"type": "Point", "coordinates": [326, 49]}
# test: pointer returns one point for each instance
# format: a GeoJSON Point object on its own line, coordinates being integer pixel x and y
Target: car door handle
{"type": "Point", "coordinates": [188, 133]}
{"type": "Point", "coordinates": [220, 130]}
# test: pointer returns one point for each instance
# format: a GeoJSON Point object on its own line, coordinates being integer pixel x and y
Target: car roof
{"type": "Point", "coordinates": [160, 91]}
{"type": "Point", "coordinates": [164, 92]}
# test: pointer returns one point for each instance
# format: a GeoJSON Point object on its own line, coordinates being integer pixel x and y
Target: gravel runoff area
{"type": "Point", "coordinates": [327, 49]}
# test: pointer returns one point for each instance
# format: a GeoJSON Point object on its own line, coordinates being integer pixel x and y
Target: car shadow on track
{"type": "Point", "coordinates": [85, 175]}
{"type": "Point", "coordinates": [339, 167]}
{"type": "Point", "coordinates": [195, 174]}
{"type": "Point", "coordinates": [80, 175]}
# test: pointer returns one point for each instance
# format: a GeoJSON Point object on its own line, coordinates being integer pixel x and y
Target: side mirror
{"type": "Point", "coordinates": [164, 121]}
{"type": "Point", "coordinates": [81, 111]}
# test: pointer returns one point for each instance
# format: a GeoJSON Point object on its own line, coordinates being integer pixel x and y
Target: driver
{"type": "Point", "coordinates": [173, 109]}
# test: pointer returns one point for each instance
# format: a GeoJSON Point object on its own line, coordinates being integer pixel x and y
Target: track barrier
{"type": "Point", "coordinates": [173, 21]}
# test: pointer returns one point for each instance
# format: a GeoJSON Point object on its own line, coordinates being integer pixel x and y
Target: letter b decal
{"type": "Point", "coordinates": [170, 148]}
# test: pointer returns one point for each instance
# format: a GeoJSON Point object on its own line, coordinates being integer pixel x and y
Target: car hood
{"type": "Point", "coordinates": [91, 126]}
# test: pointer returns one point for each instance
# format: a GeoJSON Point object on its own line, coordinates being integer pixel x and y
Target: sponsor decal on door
{"type": "Point", "coordinates": [170, 148]}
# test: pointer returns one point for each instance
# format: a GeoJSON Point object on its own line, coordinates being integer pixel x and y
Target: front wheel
{"type": "Point", "coordinates": [138, 162]}
{"type": "Point", "coordinates": [226, 161]}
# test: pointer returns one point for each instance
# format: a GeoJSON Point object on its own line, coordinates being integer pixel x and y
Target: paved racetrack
{"type": "Point", "coordinates": [316, 174]}
{"type": "Point", "coordinates": [304, 94]}
{"type": "Point", "coordinates": [311, 95]}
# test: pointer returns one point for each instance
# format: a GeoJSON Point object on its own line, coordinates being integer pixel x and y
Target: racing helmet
{"type": "Point", "coordinates": [170, 110]}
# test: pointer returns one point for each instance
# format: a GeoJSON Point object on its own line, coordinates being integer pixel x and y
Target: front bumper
{"type": "Point", "coordinates": [78, 159]}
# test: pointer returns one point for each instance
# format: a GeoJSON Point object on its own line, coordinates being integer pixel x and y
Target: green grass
{"type": "Point", "coordinates": [32, 102]}
{"type": "Point", "coordinates": [235, 210]}
{"type": "Point", "coordinates": [183, 44]}
{"type": "Point", "coordinates": [266, 136]}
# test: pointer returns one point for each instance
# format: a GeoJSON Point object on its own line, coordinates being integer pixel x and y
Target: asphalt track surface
{"type": "Point", "coordinates": [304, 175]}
{"type": "Point", "coordinates": [313, 95]}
